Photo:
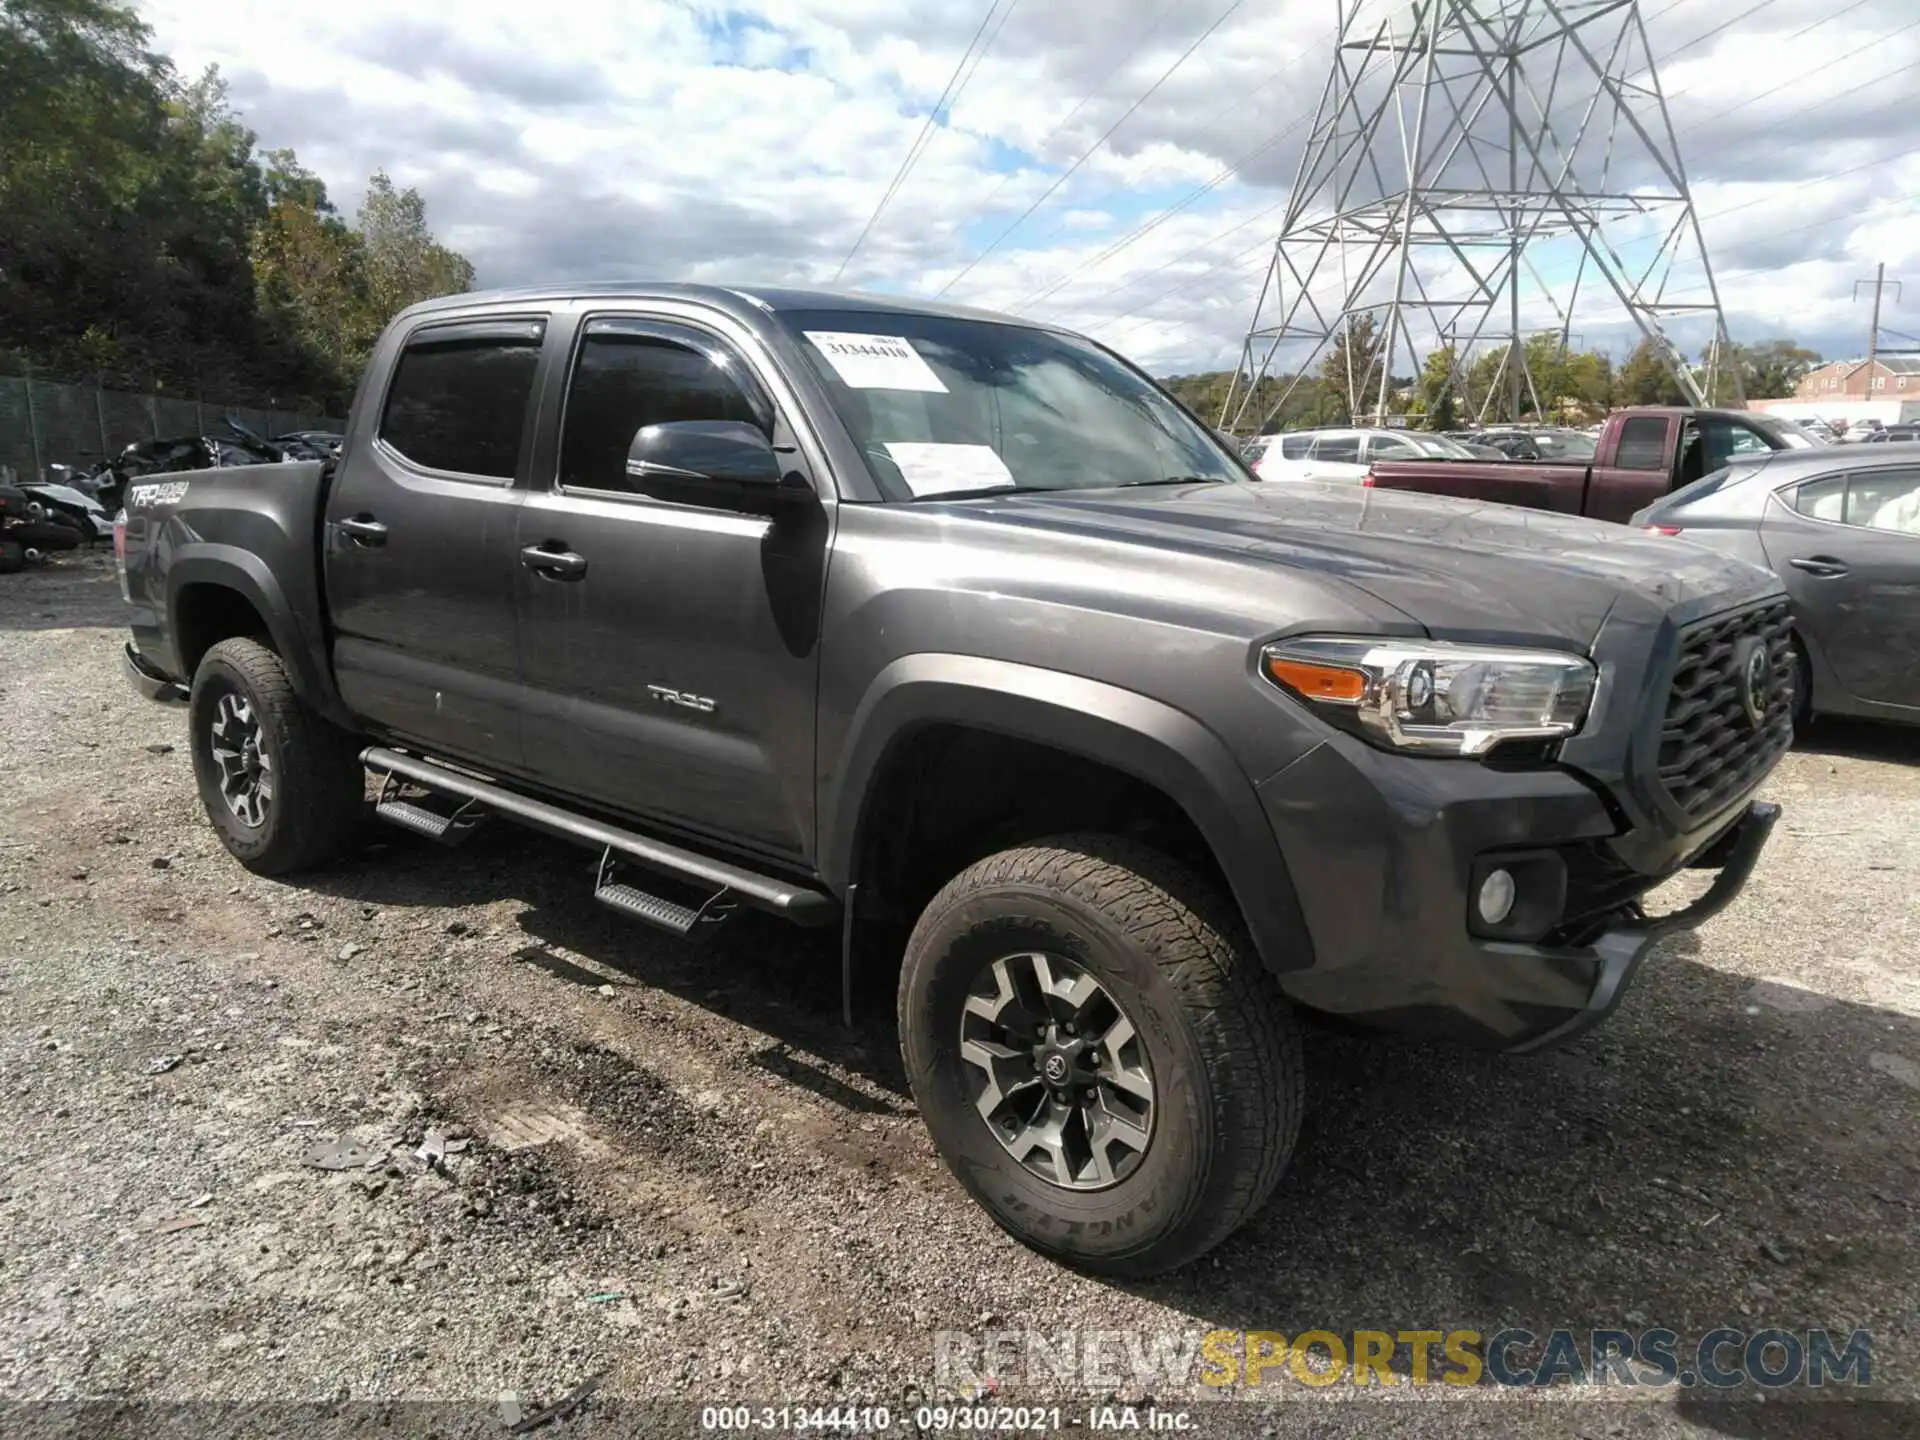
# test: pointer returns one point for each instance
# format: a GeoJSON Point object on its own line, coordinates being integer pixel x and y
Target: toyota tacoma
{"type": "Point", "coordinates": [959, 635]}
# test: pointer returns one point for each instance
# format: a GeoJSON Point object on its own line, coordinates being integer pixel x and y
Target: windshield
{"type": "Point", "coordinates": [1437, 447]}
{"type": "Point", "coordinates": [1790, 433]}
{"type": "Point", "coordinates": [946, 407]}
{"type": "Point", "coordinates": [1564, 445]}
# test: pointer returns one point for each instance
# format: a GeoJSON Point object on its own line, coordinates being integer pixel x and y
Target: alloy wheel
{"type": "Point", "coordinates": [1057, 1071]}
{"type": "Point", "coordinates": [246, 769]}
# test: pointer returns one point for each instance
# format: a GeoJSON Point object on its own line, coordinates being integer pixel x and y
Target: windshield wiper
{"type": "Point", "coordinates": [981, 491]}
{"type": "Point", "coordinates": [1174, 480]}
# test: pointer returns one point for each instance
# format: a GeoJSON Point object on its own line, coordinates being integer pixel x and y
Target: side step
{"type": "Point", "coordinates": [657, 910]}
{"type": "Point", "coordinates": [728, 884]}
{"type": "Point", "coordinates": [410, 815]}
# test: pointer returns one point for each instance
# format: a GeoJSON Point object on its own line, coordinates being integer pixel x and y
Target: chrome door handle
{"type": "Point", "coordinates": [1825, 566]}
{"type": "Point", "coordinates": [556, 564]}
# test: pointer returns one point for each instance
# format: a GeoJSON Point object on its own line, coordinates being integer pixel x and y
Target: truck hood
{"type": "Point", "coordinates": [1463, 569]}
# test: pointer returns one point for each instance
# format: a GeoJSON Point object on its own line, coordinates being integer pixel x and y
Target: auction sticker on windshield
{"type": "Point", "coordinates": [875, 362]}
{"type": "Point", "coordinates": [941, 469]}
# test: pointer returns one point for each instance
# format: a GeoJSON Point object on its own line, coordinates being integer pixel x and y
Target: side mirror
{"type": "Point", "coordinates": [707, 462]}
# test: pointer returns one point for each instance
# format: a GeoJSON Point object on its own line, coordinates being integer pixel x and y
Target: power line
{"type": "Point", "coordinates": [1886, 209]}
{"type": "Point", "coordinates": [952, 92]}
{"type": "Point", "coordinates": [1874, 44]}
{"type": "Point", "coordinates": [1073, 114]}
{"type": "Point", "coordinates": [1705, 36]}
{"type": "Point", "coordinates": [1778, 124]}
{"type": "Point", "coordinates": [1140, 232]}
{"type": "Point", "coordinates": [1226, 173]}
{"type": "Point", "coordinates": [1072, 169]}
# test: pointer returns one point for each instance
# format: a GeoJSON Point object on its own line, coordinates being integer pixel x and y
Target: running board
{"type": "Point", "coordinates": [798, 903]}
{"type": "Point", "coordinates": [410, 815]}
{"type": "Point", "coordinates": [658, 911]}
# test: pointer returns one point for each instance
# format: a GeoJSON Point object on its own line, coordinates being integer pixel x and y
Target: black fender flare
{"type": "Point", "coordinates": [1133, 733]}
{"type": "Point", "coordinates": [246, 574]}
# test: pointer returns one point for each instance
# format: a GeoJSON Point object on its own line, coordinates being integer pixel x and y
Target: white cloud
{"type": "Point", "coordinates": [610, 138]}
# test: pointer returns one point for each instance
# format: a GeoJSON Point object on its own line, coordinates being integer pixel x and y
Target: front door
{"type": "Point", "coordinates": [672, 663]}
{"type": "Point", "coordinates": [419, 542]}
{"type": "Point", "coordinates": [1848, 547]}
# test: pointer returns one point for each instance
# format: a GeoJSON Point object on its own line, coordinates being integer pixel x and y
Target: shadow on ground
{"type": "Point", "coordinates": [1860, 740]}
{"type": "Point", "coordinates": [1717, 1155]}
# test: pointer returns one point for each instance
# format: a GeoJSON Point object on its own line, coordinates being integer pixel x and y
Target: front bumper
{"type": "Point", "coordinates": [1383, 849]}
{"type": "Point", "coordinates": [150, 680]}
{"type": "Point", "coordinates": [1621, 950]}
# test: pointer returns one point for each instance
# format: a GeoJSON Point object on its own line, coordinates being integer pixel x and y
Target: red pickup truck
{"type": "Point", "coordinates": [1642, 454]}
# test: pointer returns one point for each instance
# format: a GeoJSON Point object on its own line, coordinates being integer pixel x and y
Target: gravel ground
{"type": "Point", "coordinates": [682, 1175]}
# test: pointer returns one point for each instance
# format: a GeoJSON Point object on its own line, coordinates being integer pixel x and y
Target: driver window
{"type": "Point", "coordinates": [1391, 447]}
{"type": "Point", "coordinates": [623, 380]}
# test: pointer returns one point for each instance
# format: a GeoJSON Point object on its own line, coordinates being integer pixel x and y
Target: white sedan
{"type": "Point", "coordinates": [1344, 454]}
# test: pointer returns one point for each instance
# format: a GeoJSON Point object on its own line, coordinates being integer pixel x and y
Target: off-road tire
{"type": "Point", "coordinates": [1223, 1045]}
{"type": "Point", "coordinates": [319, 785]}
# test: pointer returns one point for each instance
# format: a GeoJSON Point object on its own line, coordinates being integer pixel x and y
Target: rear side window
{"type": "Point", "coordinates": [1872, 499]}
{"type": "Point", "coordinates": [459, 396]}
{"type": "Point", "coordinates": [1643, 444]}
{"type": "Point", "coordinates": [1823, 499]}
{"type": "Point", "coordinates": [626, 379]}
{"type": "Point", "coordinates": [1341, 448]}
{"type": "Point", "coordinates": [1295, 447]}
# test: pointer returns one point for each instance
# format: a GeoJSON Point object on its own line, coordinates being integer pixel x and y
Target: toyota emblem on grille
{"type": "Point", "coordinates": [1755, 676]}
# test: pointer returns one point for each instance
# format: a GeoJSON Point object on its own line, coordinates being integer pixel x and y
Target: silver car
{"type": "Point", "coordinates": [1841, 527]}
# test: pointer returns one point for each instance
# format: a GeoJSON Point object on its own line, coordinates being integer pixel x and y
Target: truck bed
{"type": "Point", "coordinates": [1539, 485]}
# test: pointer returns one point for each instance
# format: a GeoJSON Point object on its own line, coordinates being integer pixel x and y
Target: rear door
{"type": "Point", "coordinates": [672, 671]}
{"type": "Point", "coordinates": [419, 542]}
{"type": "Point", "coordinates": [1638, 472]}
{"type": "Point", "coordinates": [1848, 547]}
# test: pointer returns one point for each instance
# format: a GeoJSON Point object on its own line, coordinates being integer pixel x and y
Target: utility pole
{"type": "Point", "coordinates": [1879, 283]}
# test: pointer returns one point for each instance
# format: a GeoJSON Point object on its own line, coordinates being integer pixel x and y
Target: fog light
{"type": "Point", "coordinates": [1497, 893]}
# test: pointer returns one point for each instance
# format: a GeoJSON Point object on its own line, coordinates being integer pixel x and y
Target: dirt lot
{"type": "Point", "coordinates": [682, 1175]}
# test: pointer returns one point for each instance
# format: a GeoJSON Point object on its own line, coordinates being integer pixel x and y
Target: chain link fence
{"type": "Point", "coordinates": [46, 422]}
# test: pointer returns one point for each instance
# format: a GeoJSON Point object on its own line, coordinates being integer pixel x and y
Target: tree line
{"type": "Point", "coordinates": [146, 241]}
{"type": "Point", "coordinates": [1557, 384]}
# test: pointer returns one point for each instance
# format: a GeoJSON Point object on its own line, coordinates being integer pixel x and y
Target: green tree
{"type": "Point", "coordinates": [1436, 389]}
{"type": "Point", "coordinates": [1350, 375]}
{"type": "Point", "coordinates": [307, 264]}
{"type": "Point", "coordinates": [403, 263]}
{"type": "Point", "coordinates": [1773, 369]}
{"type": "Point", "coordinates": [143, 239]}
{"type": "Point", "coordinates": [1645, 379]}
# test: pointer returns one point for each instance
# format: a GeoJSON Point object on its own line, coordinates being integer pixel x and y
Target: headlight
{"type": "Point", "coordinates": [1435, 697]}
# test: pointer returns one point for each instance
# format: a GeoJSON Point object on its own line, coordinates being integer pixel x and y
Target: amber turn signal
{"type": "Point", "coordinates": [1318, 682]}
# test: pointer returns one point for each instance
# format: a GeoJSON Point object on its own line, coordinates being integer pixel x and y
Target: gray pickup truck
{"type": "Point", "coordinates": [958, 634]}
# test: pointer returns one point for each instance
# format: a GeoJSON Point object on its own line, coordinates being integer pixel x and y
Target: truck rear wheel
{"type": "Point", "coordinates": [283, 788]}
{"type": "Point", "coordinates": [1100, 1056]}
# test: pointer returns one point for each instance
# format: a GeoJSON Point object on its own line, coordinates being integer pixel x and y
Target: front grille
{"type": "Point", "coordinates": [1710, 750]}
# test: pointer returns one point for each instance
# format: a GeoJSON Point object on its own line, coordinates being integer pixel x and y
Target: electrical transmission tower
{"type": "Point", "coordinates": [1473, 166]}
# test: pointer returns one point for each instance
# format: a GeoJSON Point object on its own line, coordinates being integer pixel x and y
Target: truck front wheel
{"type": "Point", "coordinates": [283, 788]}
{"type": "Point", "coordinates": [1099, 1054]}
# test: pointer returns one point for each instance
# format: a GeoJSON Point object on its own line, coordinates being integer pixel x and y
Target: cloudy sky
{"type": "Point", "coordinates": [640, 138]}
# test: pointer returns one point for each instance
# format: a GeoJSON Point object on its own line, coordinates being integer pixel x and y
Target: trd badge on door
{"type": "Point", "coordinates": [681, 698]}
